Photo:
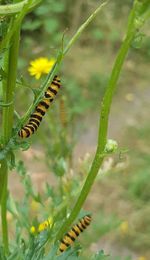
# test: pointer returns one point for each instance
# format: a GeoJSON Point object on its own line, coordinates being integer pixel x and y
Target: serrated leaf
{"type": "Point", "coordinates": [24, 145]}
{"type": "Point", "coordinates": [2, 154]}
{"type": "Point", "coordinates": [138, 41]}
{"type": "Point", "coordinates": [49, 191]}
{"type": "Point", "coordinates": [60, 167]}
{"type": "Point", "coordinates": [38, 198]}
{"type": "Point", "coordinates": [12, 163]}
{"type": "Point", "coordinates": [21, 168]}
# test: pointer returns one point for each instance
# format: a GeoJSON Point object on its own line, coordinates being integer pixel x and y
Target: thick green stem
{"type": "Point", "coordinates": [13, 26]}
{"type": "Point", "coordinates": [8, 90]}
{"type": "Point", "coordinates": [103, 128]}
{"type": "Point", "coordinates": [9, 84]}
{"type": "Point", "coordinates": [16, 8]}
{"type": "Point", "coordinates": [4, 180]}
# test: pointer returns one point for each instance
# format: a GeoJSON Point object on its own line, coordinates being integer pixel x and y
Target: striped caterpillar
{"type": "Point", "coordinates": [40, 110]}
{"type": "Point", "coordinates": [74, 232]}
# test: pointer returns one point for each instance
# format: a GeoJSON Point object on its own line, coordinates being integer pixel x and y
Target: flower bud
{"type": "Point", "coordinates": [111, 146]}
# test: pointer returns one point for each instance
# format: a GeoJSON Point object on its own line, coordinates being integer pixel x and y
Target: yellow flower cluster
{"type": "Point", "coordinates": [40, 66]}
{"type": "Point", "coordinates": [142, 258]}
{"type": "Point", "coordinates": [42, 226]}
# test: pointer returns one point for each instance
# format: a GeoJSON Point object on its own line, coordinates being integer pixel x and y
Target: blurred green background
{"type": "Point", "coordinates": [64, 145]}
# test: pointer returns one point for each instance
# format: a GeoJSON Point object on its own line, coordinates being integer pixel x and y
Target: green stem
{"type": "Point", "coordinates": [82, 27]}
{"type": "Point", "coordinates": [9, 90]}
{"type": "Point", "coordinates": [103, 128]}
{"type": "Point", "coordinates": [16, 8]}
{"type": "Point", "coordinates": [4, 180]}
{"type": "Point", "coordinates": [9, 84]}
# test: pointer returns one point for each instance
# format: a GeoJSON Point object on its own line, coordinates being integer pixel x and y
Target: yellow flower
{"type": "Point", "coordinates": [33, 230]}
{"type": "Point", "coordinates": [40, 66]}
{"type": "Point", "coordinates": [124, 227]}
{"type": "Point", "coordinates": [142, 258]}
{"type": "Point", "coordinates": [42, 226]}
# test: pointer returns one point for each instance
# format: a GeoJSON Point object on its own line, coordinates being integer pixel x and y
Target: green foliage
{"type": "Point", "coordinates": [2, 253]}
{"type": "Point", "coordinates": [59, 138]}
{"type": "Point", "coordinates": [135, 191]}
{"type": "Point", "coordinates": [41, 21]}
{"type": "Point", "coordinates": [138, 186]}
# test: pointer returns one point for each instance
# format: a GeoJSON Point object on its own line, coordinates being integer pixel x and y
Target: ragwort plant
{"type": "Point", "coordinates": [37, 244]}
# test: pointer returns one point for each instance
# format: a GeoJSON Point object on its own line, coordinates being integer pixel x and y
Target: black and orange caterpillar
{"type": "Point", "coordinates": [41, 108]}
{"type": "Point", "coordinates": [75, 231]}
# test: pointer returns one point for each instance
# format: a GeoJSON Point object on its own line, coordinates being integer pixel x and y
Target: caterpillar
{"type": "Point", "coordinates": [40, 110]}
{"type": "Point", "coordinates": [75, 231]}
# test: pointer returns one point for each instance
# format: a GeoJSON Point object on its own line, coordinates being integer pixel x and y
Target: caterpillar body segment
{"type": "Point", "coordinates": [74, 232]}
{"type": "Point", "coordinates": [40, 110]}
